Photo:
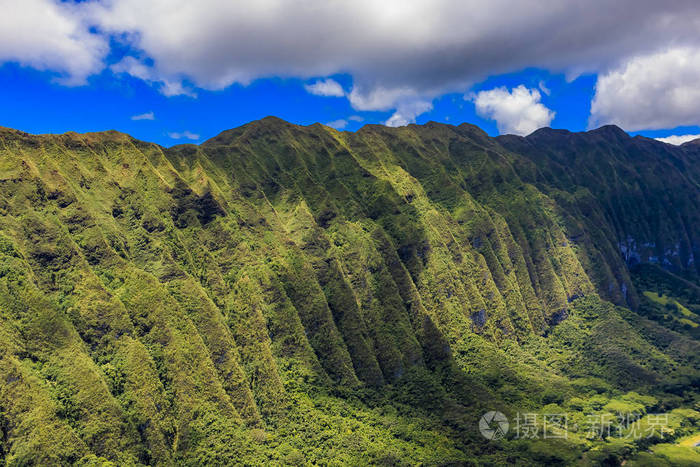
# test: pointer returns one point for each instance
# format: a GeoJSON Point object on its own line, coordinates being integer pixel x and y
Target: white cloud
{"type": "Point", "coordinates": [328, 87]}
{"type": "Point", "coordinates": [517, 112]}
{"type": "Point", "coordinates": [543, 87]}
{"type": "Point", "coordinates": [355, 118]}
{"type": "Point", "coordinates": [660, 90]}
{"type": "Point", "coordinates": [48, 35]}
{"type": "Point", "coordinates": [423, 44]}
{"type": "Point", "coordinates": [184, 135]}
{"type": "Point", "coordinates": [144, 116]}
{"type": "Point", "coordinates": [174, 88]}
{"type": "Point", "coordinates": [407, 103]}
{"type": "Point", "coordinates": [378, 97]}
{"type": "Point", "coordinates": [138, 69]}
{"type": "Point", "coordinates": [338, 124]}
{"type": "Point", "coordinates": [406, 112]}
{"type": "Point", "coordinates": [678, 139]}
{"type": "Point", "coordinates": [396, 52]}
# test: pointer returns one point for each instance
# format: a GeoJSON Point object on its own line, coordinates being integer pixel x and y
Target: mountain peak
{"type": "Point", "coordinates": [264, 125]}
{"type": "Point", "coordinates": [610, 131]}
{"type": "Point", "coordinates": [272, 120]}
{"type": "Point", "coordinates": [695, 143]}
{"type": "Point", "coordinates": [547, 131]}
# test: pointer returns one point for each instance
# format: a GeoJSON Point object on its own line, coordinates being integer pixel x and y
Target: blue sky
{"type": "Point", "coordinates": [32, 101]}
{"type": "Point", "coordinates": [173, 75]}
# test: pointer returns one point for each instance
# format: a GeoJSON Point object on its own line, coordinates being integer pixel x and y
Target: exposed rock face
{"type": "Point", "coordinates": [639, 193]}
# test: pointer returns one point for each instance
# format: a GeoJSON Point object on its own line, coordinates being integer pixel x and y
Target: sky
{"type": "Point", "coordinates": [181, 71]}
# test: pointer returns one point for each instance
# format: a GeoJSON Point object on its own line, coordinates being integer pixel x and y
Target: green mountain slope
{"type": "Point", "coordinates": [290, 295]}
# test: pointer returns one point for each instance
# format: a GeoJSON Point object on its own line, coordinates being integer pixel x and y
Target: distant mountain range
{"type": "Point", "coordinates": [293, 294]}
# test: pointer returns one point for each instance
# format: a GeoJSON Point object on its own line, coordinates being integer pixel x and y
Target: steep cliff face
{"type": "Point", "coordinates": [646, 190]}
{"type": "Point", "coordinates": [155, 299]}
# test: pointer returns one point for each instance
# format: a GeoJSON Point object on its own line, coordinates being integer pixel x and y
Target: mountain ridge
{"type": "Point", "coordinates": [237, 288]}
{"type": "Point", "coordinates": [273, 121]}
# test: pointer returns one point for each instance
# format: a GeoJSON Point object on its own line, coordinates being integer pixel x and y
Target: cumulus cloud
{"type": "Point", "coordinates": [338, 124]}
{"type": "Point", "coordinates": [218, 42]}
{"type": "Point", "coordinates": [144, 116]}
{"type": "Point", "coordinates": [138, 69]}
{"type": "Point", "coordinates": [406, 112]}
{"type": "Point", "coordinates": [407, 103]}
{"type": "Point", "coordinates": [343, 122]}
{"type": "Point", "coordinates": [678, 139]}
{"type": "Point", "coordinates": [184, 135]}
{"type": "Point", "coordinates": [48, 35]}
{"type": "Point", "coordinates": [660, 90]}
{"type": "Point", "coordinates": [397, 52]}
{"type": "Point", "coordinates": [379, 97]}
{"type": "Point", "coordinates": [518, 112]}
{"type": "Point", "coordinates": [327, 87]}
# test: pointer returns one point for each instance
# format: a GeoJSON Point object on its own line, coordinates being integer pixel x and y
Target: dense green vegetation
{"type": "Point", "coordinates": [297, 295]}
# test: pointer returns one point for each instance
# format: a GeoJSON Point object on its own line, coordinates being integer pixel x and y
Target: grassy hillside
{"type": "Point", "coordinates": [297, 295]}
